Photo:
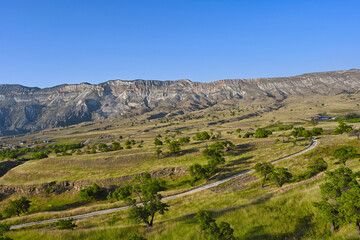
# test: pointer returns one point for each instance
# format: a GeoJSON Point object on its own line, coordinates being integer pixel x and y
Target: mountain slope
{"type": "Point", "coordinates": [24, 109]}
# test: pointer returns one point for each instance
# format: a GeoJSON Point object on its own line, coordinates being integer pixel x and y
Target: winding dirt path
{"type": "Point", "coordinates": [192, 191]}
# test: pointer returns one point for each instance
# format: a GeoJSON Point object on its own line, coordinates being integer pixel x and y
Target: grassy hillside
{"type": "Point", "coordinates": [252, 211]}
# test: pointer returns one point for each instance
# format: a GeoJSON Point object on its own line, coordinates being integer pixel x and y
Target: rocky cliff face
{"type": "Point", "coordinates": [24, 109]}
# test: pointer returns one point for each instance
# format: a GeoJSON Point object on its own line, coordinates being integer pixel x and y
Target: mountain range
{"type": "Point", "coordinates": [28, 109]}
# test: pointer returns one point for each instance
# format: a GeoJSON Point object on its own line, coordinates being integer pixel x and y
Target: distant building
{"type": "Point", "coordinates": [324, 118]}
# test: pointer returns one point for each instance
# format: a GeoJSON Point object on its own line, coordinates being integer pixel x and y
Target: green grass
{"type": "Point", "coordinates": [254, 213]}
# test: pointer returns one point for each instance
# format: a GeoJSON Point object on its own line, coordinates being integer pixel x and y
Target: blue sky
{"type": "Point", "coordinates": [47, 42]}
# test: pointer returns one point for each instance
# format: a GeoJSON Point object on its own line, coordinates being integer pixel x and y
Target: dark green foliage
{"type": "Point", "coordinates": [214, 156]}
{"type": "Point", "coordinates": [264, 169]}
{"type": "Point", "coordinates": [279, 176]}
{"type": "Point", "coordinates": [17, 207]}
{"type": "Point", "coordinates": [157, 142]}
{"type": "Point", "coordinates": [133, 236]}
{"type": "Point", "coordinates": [341, 198]}
{"type": "Point", "coordinates": [338, 181]}
{"type": "Point", "coordinates": [144, 191]}
{"type": "Point", "coordinates": [5, 238]}
{"type": "Point", "coordinates": [248, 134]}
{"type": "Point", "coordinates": [4, 227]}
{"type": "Point", "coordinates": [285, 127]}
{"type": "Point", "coordinates": [297, 132]}
{"type": "Point", "coordinates": [64, 224]}
{"type": "Point", "coordinates": [345, 153]}
{"type": "Point", "coordinates": [262, 133]}
{"type": "Point", "coordinates": [184, 140]}
{"type": "Point", "coordinates": [103, 147]}
{"type": "Point", "coordinates": [116, 146]}
{"type": "Point", "coordinates": [174, 146]}
{"type": "Point", "coordinates": [39, 155]}
{"type": "Point", "coordinates": [238, 130]}
{"type": "Point", "coordinates": [330, 213]}
{"type": "Point", "coordinates": [211, 230]}
{"type": "Point", "coordinates": [129, 143]}
{"type": "Point", "coordinates": [316, 166]}
{"type": "Point", "coordinates": [202, 136]}
{"type": "Point", "coordinates": [343, 128]}
{"type": "Point", "coordinates": [198, 171]}
{"type": "Point", "coordinates": [316, 131]}
{"type": "Point", "coordinates": [13, 153]}
{"type": "Point", "coordinates": [60, 148]}
{"type": "Point", "coordinates": [91, 193]}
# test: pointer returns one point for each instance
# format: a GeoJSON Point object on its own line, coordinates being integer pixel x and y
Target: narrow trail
{"type": "Point", "coordinates": [192, 191]}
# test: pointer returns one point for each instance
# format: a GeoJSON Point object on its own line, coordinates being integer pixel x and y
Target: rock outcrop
{"type": "Point", "coordinates": [24, 109]}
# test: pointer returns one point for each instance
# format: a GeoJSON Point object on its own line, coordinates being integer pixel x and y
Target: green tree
{"type": "Point", "coordinates": [297, 132]}
{"type": "Point", "coordinates": [343, 128]}
{"type": "Point", "coordinates": [90, 193]}
{"type": "Point", "coordinates": [144, 198]}
{"type": "Point", "coordinates": [157, 142]}
{"type": "Point", "coordinates": [116, 146]}
{"type": "Point", "coordinates": [184, 140]}
{"type": "Point", "coordinates": [330, 213]}
{"type": "Point", "coordinates": [262, 133]}
{"type": "Point", "coordinates": [4, 227]}
{"type": "Point", "coordinates": [279, 176]}
{"type": "Point", "coordinates": [174, 146]}
{"type": "Point", "coordinates": [350, 205]}
{"type": "Point", "coordinates": [316, 166]}
{"type": "Point", "coordinates": [340, 198]}
{"type": "Point", "coordinates": [17, 207]}
{"type": "Point", "coordinates": [39, 155]}
{"type": "Point", "coordinates": [64, 224]}
{"type": "Point", "coordinates": [345, 153]}
{"type": "Point", "coordinates": [214, 156]}
{"type": "Point", "coordinates": [316, 131]}
{"type": "Point", "coordinates": [264, 169]}
{"type": "Point", "coordinates": [211, 229]}
{"type": "Point", "coordinates": [198, 172]}
{"type": "Point", "coordinates": [202, 136]}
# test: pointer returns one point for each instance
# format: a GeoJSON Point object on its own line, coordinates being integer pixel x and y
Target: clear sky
{"type": "Point", "coordinates": [49, 42]}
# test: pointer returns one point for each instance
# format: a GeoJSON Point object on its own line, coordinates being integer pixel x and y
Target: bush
{"type": "Point", "coordinates": [343, 128]}
{"type": "Point", "coordinates": [17, 207]}
{"type": "Point", "coordinates": [90, 193]}
{"type": "Point", "coordinates": [202, 136]}
{"type": "Point", "coordinates": [344, 153]}
{"type": "Point", "coordinates": [64, 224]}
{"type": "Point", "coordinates": [316, 166]}
{"type": "Point", "coordinates": [174, 146]}
{"type": "Point", "coordinates": [262, 133]}
{"type": "Point", "coordinates": [39, 155]}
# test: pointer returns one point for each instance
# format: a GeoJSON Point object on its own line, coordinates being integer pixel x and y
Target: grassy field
{"type": "Point", "coordinates": [253, 212]}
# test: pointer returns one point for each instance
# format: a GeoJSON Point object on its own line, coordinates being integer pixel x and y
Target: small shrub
{"type": "Point", "coordinates": [64, 224]}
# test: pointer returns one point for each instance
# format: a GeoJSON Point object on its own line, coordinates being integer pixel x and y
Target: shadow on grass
{"type": "Point", "coordinates": [181, 153]}
{"type": "Point", "coordinates": [66, 206]}
{"type": "Point", "coordinates": [241, 149]}
{"type": "Point", "coordinates": [239, 161]}
{"type": "Point", "coordinates": [189, 218]}
{"type": "Point", "coordinates": [6, 166]}
{"type": "Point", "coordinates": [303, 225]}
